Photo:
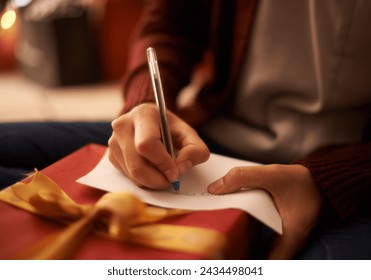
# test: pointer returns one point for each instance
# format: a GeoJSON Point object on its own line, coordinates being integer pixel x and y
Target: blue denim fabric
{"type": "Point", "coordinates": [28, 145]}
{"type": "Point", "coordinates": [349, 241]}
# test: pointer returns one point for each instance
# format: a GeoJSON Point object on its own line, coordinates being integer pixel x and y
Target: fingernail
{"type": "Point", "coordinates": [216, 187]}
{"type": "Point", "coordinates": [184, 166]}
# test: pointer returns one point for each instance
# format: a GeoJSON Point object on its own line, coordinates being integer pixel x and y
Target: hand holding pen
{"type": "Point", "coordinates": [137, 149]}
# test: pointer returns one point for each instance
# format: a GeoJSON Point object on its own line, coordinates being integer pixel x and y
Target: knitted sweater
{"type": "Point", "coordinates": [342, 172]}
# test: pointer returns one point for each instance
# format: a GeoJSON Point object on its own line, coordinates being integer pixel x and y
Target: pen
{"type": "Point", "coordinates": [160, 101]}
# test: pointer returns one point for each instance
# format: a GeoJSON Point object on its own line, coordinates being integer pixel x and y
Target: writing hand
{"type": "Point", "coordinates": [295, 194]}
{"type": "Point", "coordinates": [136, 147]}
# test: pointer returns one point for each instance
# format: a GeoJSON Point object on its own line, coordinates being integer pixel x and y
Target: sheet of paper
{"type": "Point", "coordinates": [193, 193]}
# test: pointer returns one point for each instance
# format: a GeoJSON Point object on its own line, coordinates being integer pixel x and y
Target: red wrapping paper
{"type": "Point", "coordinates": [20, 229]}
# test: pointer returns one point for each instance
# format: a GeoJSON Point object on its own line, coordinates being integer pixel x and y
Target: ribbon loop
{"type": "Point", "coordinates": [55, 206]}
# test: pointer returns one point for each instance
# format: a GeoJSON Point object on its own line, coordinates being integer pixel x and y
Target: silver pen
{"type": "Point", "coordinates": [160, 101]}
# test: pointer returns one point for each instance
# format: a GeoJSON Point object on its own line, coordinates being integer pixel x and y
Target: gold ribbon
{"type": "Point", "coordinates": [120, 216]}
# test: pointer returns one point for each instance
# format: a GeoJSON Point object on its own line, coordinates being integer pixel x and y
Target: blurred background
{"type": "Point", "coordinates": [63, 59]}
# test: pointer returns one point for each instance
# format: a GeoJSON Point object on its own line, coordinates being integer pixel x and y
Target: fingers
{"type": "Point", "coordinates": [119, 163]}
{"type": "Point", "coordinates": [241, 177]}
{"type": "Point", "coordinates": [192, 150]}
{"type": "Point", "coordinates": [148, 143]}
{"type": "Point", "coordinates": [137, 149]}
{"type": "Point", "coordinates": [124, 155]}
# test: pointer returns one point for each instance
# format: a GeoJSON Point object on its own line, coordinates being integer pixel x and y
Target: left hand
{"type": "Point", "coordinates": [297, 198]}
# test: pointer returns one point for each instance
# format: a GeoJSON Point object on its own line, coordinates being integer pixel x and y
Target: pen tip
{"type": "Point", "coordinates": [176, 185]}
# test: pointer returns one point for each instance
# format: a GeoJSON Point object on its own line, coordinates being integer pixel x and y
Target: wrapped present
{"type": "Point", "coordinates": [51, 216]}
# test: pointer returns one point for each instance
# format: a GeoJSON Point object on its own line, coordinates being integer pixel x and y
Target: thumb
{"type": "Point", "coordinates": [223, 185]}
{"type": "Point", "coordinates": [238, 178]}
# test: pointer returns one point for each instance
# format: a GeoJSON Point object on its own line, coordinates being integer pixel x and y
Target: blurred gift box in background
{"type": "Point", "coordinates": [67, 42]}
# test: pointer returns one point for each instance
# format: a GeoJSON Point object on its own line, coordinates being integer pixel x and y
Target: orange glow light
{"type": "Point", "coordinates": [8, 19]}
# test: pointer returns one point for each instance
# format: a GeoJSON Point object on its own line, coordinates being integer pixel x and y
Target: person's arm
{"type": "Point", "coordinates": [178, 31]}
{"type": "Point", "coordinates": [343, 174]}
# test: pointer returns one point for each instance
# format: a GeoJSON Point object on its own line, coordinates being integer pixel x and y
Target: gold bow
{"type": "Point", "coordinates": [120, 216]}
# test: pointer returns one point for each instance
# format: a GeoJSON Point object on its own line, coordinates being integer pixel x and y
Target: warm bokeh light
{"type": "Point", "coordinates": [8, 19]}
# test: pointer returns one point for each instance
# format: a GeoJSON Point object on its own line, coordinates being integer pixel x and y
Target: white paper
{"type": "Point", "coordinates": [193, 193]}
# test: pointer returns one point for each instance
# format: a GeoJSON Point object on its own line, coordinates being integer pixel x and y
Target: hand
{"type": "Point", "coordinates": [295, 194]}
{"type": "Point", "coordinates": [136, 148]}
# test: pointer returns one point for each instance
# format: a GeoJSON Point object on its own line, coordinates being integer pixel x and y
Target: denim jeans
{"type": "Point", "coordinates": [25, 146]}
{"type": "Point", "coordinates": [349, 241]}
{"type": "Point", "coordinates": [29, 145]}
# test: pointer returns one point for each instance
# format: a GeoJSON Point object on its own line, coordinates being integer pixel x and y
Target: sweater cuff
{"type": "Point", "coordinates": [343, 174]}
{"type": "Point", "coordinates": [137, 90]}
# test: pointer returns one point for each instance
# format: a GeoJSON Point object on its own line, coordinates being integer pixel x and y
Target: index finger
{"type": "Point", "coordinates": [192, 149]}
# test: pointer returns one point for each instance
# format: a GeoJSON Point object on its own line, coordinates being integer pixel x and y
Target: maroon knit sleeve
{"type": "Point", "coordinates": [177, 30]}
{"type": "Point", "coordinates": [343, 173]}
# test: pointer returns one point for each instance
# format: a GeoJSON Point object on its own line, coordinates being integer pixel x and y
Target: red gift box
{"type": "Point", "coordinates": [20, 229]}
